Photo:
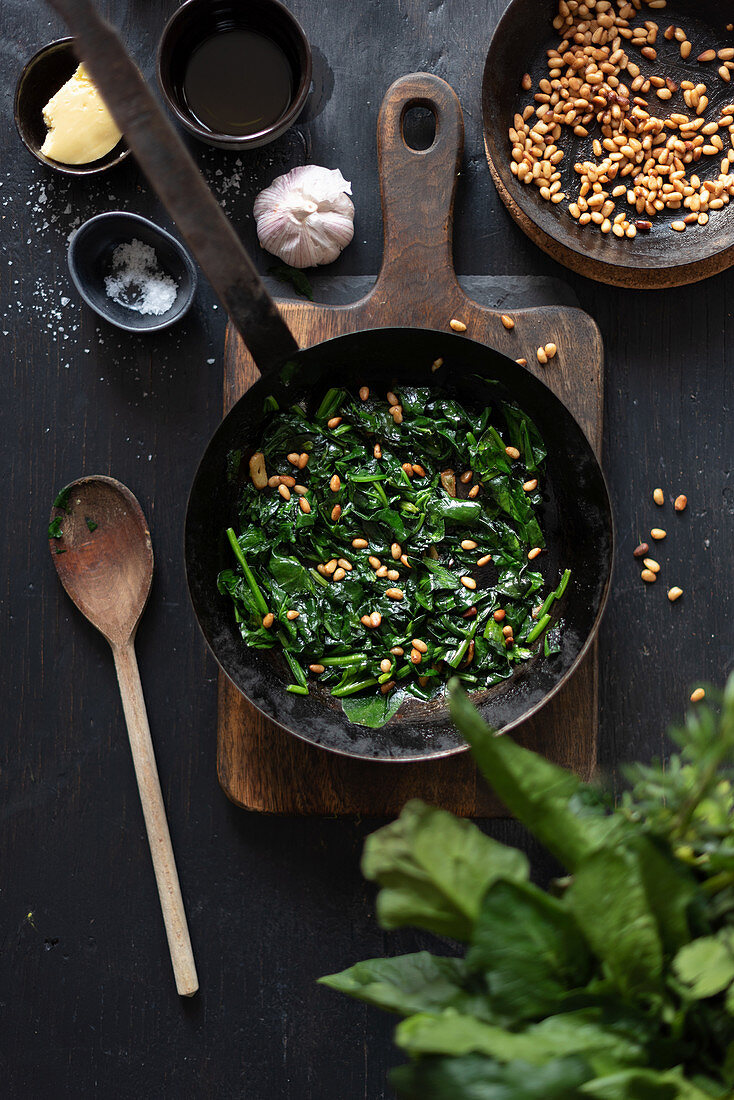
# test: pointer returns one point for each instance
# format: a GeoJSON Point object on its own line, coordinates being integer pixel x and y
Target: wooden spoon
{"type": "Point", "coordinates": [104, 559]}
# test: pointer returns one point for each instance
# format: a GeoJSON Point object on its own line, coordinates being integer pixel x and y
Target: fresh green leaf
{"type": "Point", "coordinates": [373, 711]}
{"type": "Point", "coordinates": [476, 1077]}
{"type": "Point", "coordinates": [62, 499]}
{"type": "Point", "coordinates": [54, 529]}
{"type": "Point", "coordinates": [293, 275]}
{"type": "Point", "coordinates": [644, 1084]}
{"type": "Point", "coordinates": [706, 965]}
{"type": "Point", "coordinates": [434, 870]}
{"type": "Point", "coordinates": [91, 525]}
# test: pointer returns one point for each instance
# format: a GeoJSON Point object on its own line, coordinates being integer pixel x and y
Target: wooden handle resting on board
{"type": "Point", "coordinates": [418, 187]}
{"type": "Point", "coordinates": [180, 185]}
{"type": "Point", "coordinates": [154, 812]}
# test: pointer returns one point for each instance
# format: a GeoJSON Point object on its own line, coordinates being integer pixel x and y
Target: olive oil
{"type": "Point", "coordinates": [238, 82]}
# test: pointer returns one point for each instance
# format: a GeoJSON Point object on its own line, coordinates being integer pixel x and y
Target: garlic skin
{"type": "Point", "coordinates": [306, 216]}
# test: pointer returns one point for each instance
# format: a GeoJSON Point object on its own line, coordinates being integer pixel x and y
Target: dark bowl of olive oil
{"type": "Point", "coordinates": [236, 73]}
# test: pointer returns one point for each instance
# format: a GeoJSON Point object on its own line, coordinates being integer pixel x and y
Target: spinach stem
{"type": "Point", "coordinates": [252, 583]}
{"type": "Point", "coordinates": [537, 629]}
{"type": "Point", "coordinates": [352, 689]}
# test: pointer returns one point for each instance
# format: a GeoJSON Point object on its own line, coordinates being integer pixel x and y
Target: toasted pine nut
{"type": "Point", "coordinates": [405, 562]}
{"type": "Point", "coordinates": [407, 468]}
{"type": "Point", "coordinates": [551, 350]}
{"type": "Point", "coordinates": [436, 365]}
{"type": "Point", "coordinates": [360, 544]}
{"type": "Point", "coordinates": [707, 55]}
{"type": "Point", "coordinates": [474, 491]}
{"type": "Point", "coordinates": [286, 479]}
{"type": "Point", "coordinates": [641, 550]}
{"type": "Point", "coordinates": [334, 422]}
{"type": "Point", "coordinates": [374, 562]}
{"type": "Point", "coordinates": [507, 631]}
{"type": "Point", "coordinates": [268, 620]}
{"type": "Point", "coordinates": [316, 669]}
{"type": "Point", "coordinates": [509, 642]}
{"type": "Point", "coordinates": [648, 576]}
{"type": "Point", "coordinates": [396, 412]}
{"type": "Point", "coordinates": [470, 613]}
{"type": "Point", "coordinates": [345, 564]}
{"type": "Point", "coordinates": [419, 645]}
{"type": "Point", "coordinates": [418, 470]}
{"type": "Point", "coordinates": [397, 651]}
{"type": "Point", "coordinates": [416, 656]}
{"type": "Point", "coordinates": [391, 398]}
{"type": "Point", "coordinates": [330, 567]}
{"type": "Point", "coordinates": [284, 492]}
{"type": "Point", "coordinates": [681, 503]}
{"type": "Point", "coordinates": [697, 695]}
{"type": "Point", "coordinates": [375, 619]}
{"type": "Point", "coordinates": [468, 544]}
{"type": "Point", "coordinates": [381, 572]}
{"type": "Point", "coordinates": [657, 533]}
{"type": "Point", "coordinates": [377, 450]}
{"type": "Point", "coordinates": [301, 490]}
{"type": "Point", "coordinates": [457, 326]}
{"type": "Point", "coordinates": [364, 392]}
{"type": "Point", "coordinates": [385, 665]}
{"type": "Point", "coordinates": [512, 452]}
{"type": "Point", "coordinates": [392, 575]}
{"type": "Point", "coordinates": [508, 322]}
{"type": "Point", "coordinates": [304, 505]}
{"type": "Point", "coordinates": [522, 362]}
{"type": "Point", "coordinates": [484, 560]}
{"type": "Point", "coordinates": [335, 484]}
{"type": "Point", "coordinates": [658, 496]}
{"type": "Point", "coordinates": [529, 486]}
{"type": "Point", "coordinates": [293, 458]}
{"type": "Point", "coordinates": [384, 688]}
{"type": "Point", "coordinates": [291, 615]}
{"type": "Point", "coordinates": [652, 565]}
{"type": "Point", "coordinates": [303, 460]}
{"type": "Point", "coordinates": [498, 615]}
{"type": "Point", "coordinates": [396, 550]}
{"type": "Point", "coordinates": [532, 554]}
{"type": "Point", "coordinates": [674, 594]}
{"type": "Point", "coordinates": [274, 481]}
{"type": "Point", "coordinates": [542, 356]}
{"type": "Point", "coordinates": [339, 574]}
{"type": "Point", "coordinates": [394, 593]}
{"type": "Point", "coordinates": [469, 583]}
{"type": "Point", "coordinates": [336, 512]}
{"type": "Point", "coordinates": [466, 477]}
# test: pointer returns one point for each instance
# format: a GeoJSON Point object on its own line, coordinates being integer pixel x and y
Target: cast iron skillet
{"type": "Point", "coordinates": [658, 259]}
{"type": "Point", "coordinates": [577, 516]}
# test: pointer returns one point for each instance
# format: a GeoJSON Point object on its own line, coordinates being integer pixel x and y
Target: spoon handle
{"type": "Point", "coordinates": [154, 812]}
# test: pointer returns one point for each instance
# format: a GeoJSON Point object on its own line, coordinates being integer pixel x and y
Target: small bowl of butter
{"type": "Point", "coordinates": [61, 117]}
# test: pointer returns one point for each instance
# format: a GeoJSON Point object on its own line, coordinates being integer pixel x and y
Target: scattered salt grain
{"type": "Point", "coordinates": [137, 281]}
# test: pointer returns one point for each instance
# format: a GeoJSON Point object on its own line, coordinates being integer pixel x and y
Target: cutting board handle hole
{"type": "Point", "coordinates": [419, 126]}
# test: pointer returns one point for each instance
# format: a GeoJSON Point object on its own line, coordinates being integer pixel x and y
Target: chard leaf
{"type": "Point", "coordinates": [609, 902]}
{"type": "Point", "coordinates": [706, 965]}
{"type": "Point", "coordinates": [434, 870]}
{"type": "Point", "coordinates": [411, 984]}
{"type": "Point", "coordinates": [546, 798]}
{"type": "Point", "coordinates": [529, 948]}
{"type": "Point", "coordinates": [477, 1077]}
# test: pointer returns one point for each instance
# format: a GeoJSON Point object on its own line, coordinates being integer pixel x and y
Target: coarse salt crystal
{"type": "Point", "coordinates": [137, 281]}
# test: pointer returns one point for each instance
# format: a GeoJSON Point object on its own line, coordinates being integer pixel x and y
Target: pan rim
{"type": "Point", "coordinates": [456, 750]}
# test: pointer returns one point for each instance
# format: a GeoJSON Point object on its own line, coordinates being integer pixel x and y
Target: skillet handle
{"type": "Point", "coordinates": [180, 186]}
{"type": "Point", "coordinates": [418, 188]}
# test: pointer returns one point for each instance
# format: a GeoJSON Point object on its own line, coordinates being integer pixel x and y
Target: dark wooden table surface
{"type": "Point", "coordinates": [87, 1002]}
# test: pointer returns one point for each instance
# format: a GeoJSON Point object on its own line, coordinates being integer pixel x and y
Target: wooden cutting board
{"type": "Point", "coordinates": [260, 765]}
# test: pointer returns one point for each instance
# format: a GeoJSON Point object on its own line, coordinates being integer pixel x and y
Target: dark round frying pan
{"type": "Point", "coordinates": [577, 515]}
{"type": "Point", "coordinates": [661, 258]}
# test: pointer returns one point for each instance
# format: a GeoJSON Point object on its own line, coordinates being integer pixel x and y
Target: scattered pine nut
{"type": "Point", "coordinates": [344, 563]}
{"type": "Point", "coordinates": [381, 572]}
{"type": "Point", "coordinates": [366, 620]}
{"type": "Point", "coordinates": [512, 452]}
{"type": "Point", "coordinates": [374, 562]}
{"type": "Point", "coordinates": [415, 657]}
{"type": "Point", "coordinates": [648, 576]}
{"type": "Point", "coordinates": [469, 583]}
{"type": "Point", "coordinates": [397, 651]}
{"type": "Point", "coordinates": [375, 619]}
{"type": "Point", "coordinates": [392, 575]}
{"type": "Point", "coordinates": [468, 544]}
{"type": "Point", "coordinates": [268, 620]}
{"type": "Point", "coordinates": [484, 560]}
{"type": "Point", "coordinates": [405, 562]}
{"type": "Point", "coordinates": [360, 544]}
{"type": "Point", "coordinates": [532, 554]}
{"type": "Point", "coordinates": [706, 56]}
{"type": "Point", "coordinates": [529, 486]}
{"type": "Point", "coordinates": [652, 565]}
{"type": "Point", "coordinates": [303, 460]}
{"type": "Point", "coordinates": [304, 505]}
{"type": "Point", "coordinates": [291, 615]}
{"type": "Point", "coordinates": [498, 615]}
{"type": "Point", "coordinates": [679, 227]}
{"type": "Point", "coordinates": [508, 322]}
{"type": "Point", "coordinates": [698, 695]}
{"type": "Point", "coordinates": [466, 477]}
{"type": "Point", "coordinates": [384, 688]}
{"type": "Point", "coordinates": [335, 484]}
{"type": "Point", "coordinates": [674, 594]}
{"type": "Point", "coordinates": [293, 458]}
{"type": "Point", "coordinates": [507, 631]}
{"type": "Point", "coordinates": [284, 492]}
{"type": "Point", "coordinates": [457, 326]}
{"type": "Point", "coordinates": [316, 669]}
{"type": "Point", "coordinates": [551, 350]}
{"type": "Point", "coordinates": [407, 467]}
{"type": "Point", "coordinates": [364, 392]}
{"type": "Point", "coordinates": [418, 470]}
{"type": "Point", "coordinates": [542, 356]}
{"type": "Point", "coordinates": [394, 593]}
{"type": "Point", "coordinates": [419, 645]}
{"type": "Point", "coordinates": [385, 665]}
{"type": "Point", "coordinates": [526, 82]}
{"type": "Point", "coordinates": [336, 512]}
{"type": "Point", "coordinates": [639, 551]}
{"type": "Point", "coordinates": [339, 574]}
{"type": "Point", "coordinates": [330, 567]}
{"type": "Point", "coordinates": [658, 533]}
{"type": "Point", "coordinates": [301, 490]}
{"type": "Point", "coordinates": [377, 450]}
{"type": "Point", "coordinates": [658, 496]}
{"type": "Point", "coordinates": [396, 412]}
{"type": "Point", "coordinates": [334, 422]}
{"type": "Point", "coordinates": [522, 362]}
{"type": "Point", "coordinates": [396, 550]}
{"type": "Point", "coordinates": [391, 398]}
{"type": "Point", "coordinates": [436, 365]}
{"type": "Point", "coordinates": [681, 503]}
{"type": "Point", "coordinates": [474, 492]}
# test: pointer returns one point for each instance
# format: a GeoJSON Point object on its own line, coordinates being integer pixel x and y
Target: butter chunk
{"type": "Point", "coordinates": [80, 128]}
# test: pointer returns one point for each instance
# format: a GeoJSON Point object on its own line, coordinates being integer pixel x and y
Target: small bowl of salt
{"type": "Point", "coordinates": [131, 272]}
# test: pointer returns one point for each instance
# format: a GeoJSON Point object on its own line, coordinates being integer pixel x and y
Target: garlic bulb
{"type": "Point", "coordinates": [306, 216]}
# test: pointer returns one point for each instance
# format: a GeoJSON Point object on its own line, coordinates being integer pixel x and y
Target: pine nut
{"type": "Point", "coordinates": [396, 411]}
{"type": "Point", "coordinates": [532, 554]}
{"type": "Point", "coordinates": [344, 563]}
{"type": "Point", "coordinates": [393, 575]}
{"type": "Point", "coordinates": [335, 483]}
{"type": "Point", "coordinates": [391, 398]}
{"type": "Point", "coordinates": [381, 572]}
{"type": "Point", "coordinates": [498, 615]}
{"type": "Point", "coordinates": [268, 620]}
{"type": "Point", "coordinates": [641, 550]}
{"type": "Point", "coordinates": [508, 322]}
{"type": "Point", "coordinates": [658, 533]}
{"type": "Point", "coordinates": [418, 470]}
{"type": "Point", "coordinates": [394, 593]}
{"type": "Point", "coordinates": [542, 356]}
{"type": "Point", "coordinates": [377, 450]}
{"type": "Point", "coordinates": [385, 665]}
{"type": "Point", "coordinates": [551, 350]}
{"type": "Point", "coordinates": [301, 490]}
{"type": "Point", "coordinates": [284, 492]}
{"type": "Point", "coordinates": [658, 496]}
{"type": "Point", "coordinates": [405, 562]}
{"type": "Point", "coordinates": [336, 512]}
{"type": "Point", "coordinates": [474, 492]}
{"type": "Point", "coordinates": [334, 422]}
{"type": "Point", "coordinates": [339, 574]}
{"type": "Point", "coordinates": [415, 657]}
{"type": "Point", "coordinates": [648, 576]}
{"type": "Point", "coordinates": [681, 503]}
{"type": "Point", "coordinates": [466, 477]}
{"type": "Point", "coordinates": [384, 688]}
{"type": "Point", "coordinates": [419, 645]}
{"type": "Point", "coordinates": [469, 583]}
{"type": "Point", "coordinates": [706, 56]}
{"type": "Point", "coordinates": [407, 468]}
{"type": "Point", "coordinates": [530, 486]}
{"type": "Point", "coordinates": [364, 392]}
{"type": "Point", "coordinates": [469, 544]}
{"type": "Point", "coordinates": [304, 505]}
{"type": "Point", "coordinates": [375, 619]}
{"type": "Point", "coordinates": [291, 615]}
{"type": "Point", "coordinates": [457, 326]}
{"type": "Point", "coordinates": [507, 631]}
{"type": "Point", "coordinates": [374, 562]}
{"type": "Point", "coordinates": [303, 460]}
{"type": "Point", "coordinates": [366, 620]}
{"type": "Point", "coordinates": [316, 669]}
{"type": "Point", "coordinates": [330, 567]}
{"type": "Point", "coordinates": [436, 365]}
{"type": "Point", "coordinates": [396, 550]}
{"type": "Point", "coordinates": [293, 458]}
{"type": "Point", "coordinates": [397, 651]}
{"type": "Point", "coordinates": [652, 565]}
{"type": "Point", "coordinates": [698, 695]}
{"type": "Point", "coordinates": [674, 594]}
{"type": "Point", "coordinates": [484, 560]}
{"type": "Point", "coordinates": [512, 452]}
{"type": "Point", "coordinates": [360, 544]}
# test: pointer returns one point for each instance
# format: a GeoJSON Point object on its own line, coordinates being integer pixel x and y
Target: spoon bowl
{"type": "Point", "coordinates": [104, 555]}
